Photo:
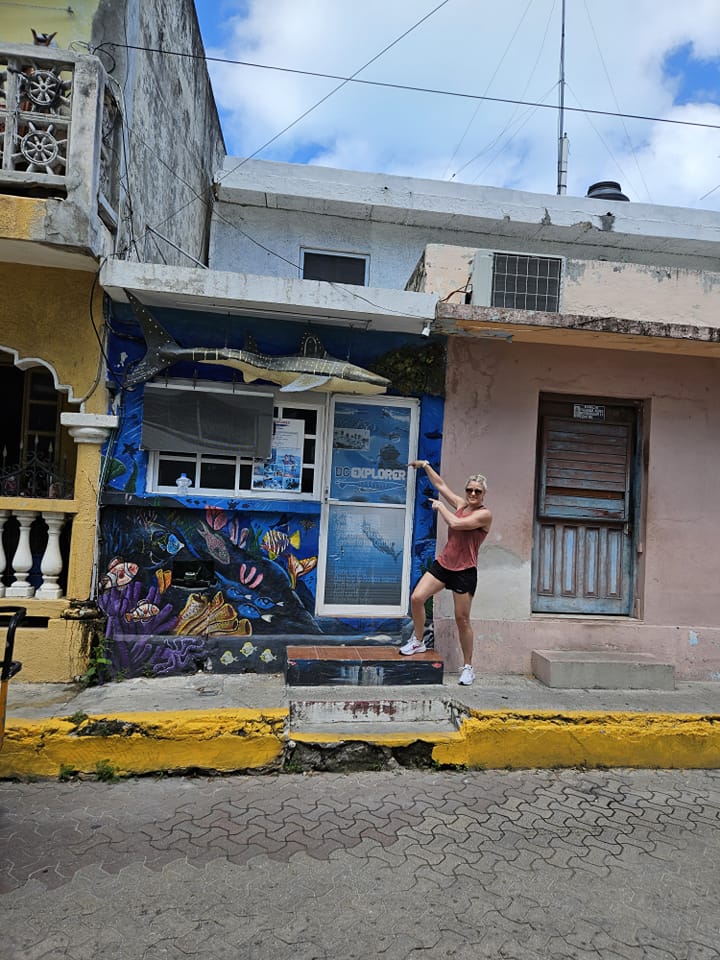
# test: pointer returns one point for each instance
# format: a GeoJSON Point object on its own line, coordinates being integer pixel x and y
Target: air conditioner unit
{"type": "Point", "coordinates": [481, 278]}
{"type": "Point", "coordinates": [518, 281]}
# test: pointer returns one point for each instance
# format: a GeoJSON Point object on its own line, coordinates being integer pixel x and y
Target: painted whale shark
{"type": "Point", "coordinates": [311, 369]}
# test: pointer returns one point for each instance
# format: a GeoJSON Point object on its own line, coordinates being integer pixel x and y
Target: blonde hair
{"type": "Point", "coordinates": [479, 479]}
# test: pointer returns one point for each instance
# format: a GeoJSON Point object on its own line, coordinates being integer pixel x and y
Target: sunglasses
{"type": "Point", "coordinates": [476, 490]}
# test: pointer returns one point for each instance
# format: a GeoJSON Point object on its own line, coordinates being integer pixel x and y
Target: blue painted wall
{"type": "Point", "coordinates": [189, 579]}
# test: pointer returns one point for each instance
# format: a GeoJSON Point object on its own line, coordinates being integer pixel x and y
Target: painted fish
{"type": "Point", "coordinates": [267, 656]}
{"type": "Point", "coordinates": [276, 543]}
{"type": "Point", "coordinates": [143, 612]}
{"type": "Point", "coordinates": [247, 649]}
{"type": "Point", "coordinates": [251, 612]}
{"type": "Point", "coordinates": [264, 603]}
{"type": "Point", "coordinates": [162, 543]}
{"type": "Point", "coordinates": [227, 658]}
{"type": "Point", "coordinates": [216, 548]}
{"type": "Point", "coordinates": [298, 568]}
{"type": "Point", "coordinates": [119, 574]}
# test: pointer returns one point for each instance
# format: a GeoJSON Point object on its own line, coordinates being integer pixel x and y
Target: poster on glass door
{"type": "Point", "coordinates": [365, 556]}
{"type": "Point", "coordinates": [370, 453]}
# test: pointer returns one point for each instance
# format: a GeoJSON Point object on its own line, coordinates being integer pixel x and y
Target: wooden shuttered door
{"type": "Point", "coordinates": [583, 540]}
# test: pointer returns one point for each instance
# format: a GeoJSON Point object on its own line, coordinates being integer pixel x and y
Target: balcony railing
{"type": "Point", "coordinates": [59, 128]}
{"type": "Point", "coordinates": [33, 557]}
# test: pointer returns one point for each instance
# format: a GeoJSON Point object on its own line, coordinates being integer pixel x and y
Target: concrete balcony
{"type": "Point", "coordinates": [59, 148]}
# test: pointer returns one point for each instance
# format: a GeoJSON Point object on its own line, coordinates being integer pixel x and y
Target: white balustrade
{"type": "Point", "coordinates": [21, 563]}
{"type": "Point", "coordinates": [4, 514]}
{"type": "Point", "coordinates": [51, 565]}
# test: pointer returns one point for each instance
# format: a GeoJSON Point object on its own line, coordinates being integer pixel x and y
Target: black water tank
{"type": "Point", "coordinates": [606, 190]}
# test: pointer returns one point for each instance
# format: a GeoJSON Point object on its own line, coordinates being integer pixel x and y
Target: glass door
{"type": "Point", "coordinates": [366, 525]}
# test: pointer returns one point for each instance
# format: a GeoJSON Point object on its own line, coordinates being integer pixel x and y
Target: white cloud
{"type": "Point", "coordinates": [508, 50]}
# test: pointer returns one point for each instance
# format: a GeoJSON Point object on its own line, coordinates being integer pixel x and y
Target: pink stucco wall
{"type": "Point", "coordinates": [491, 416]}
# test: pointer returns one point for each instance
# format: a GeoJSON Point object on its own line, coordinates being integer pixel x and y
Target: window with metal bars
{"type": "Point", "coordinates": [526, 283]}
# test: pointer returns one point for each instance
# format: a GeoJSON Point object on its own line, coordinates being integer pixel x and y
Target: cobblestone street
{"type": "Point", "coordinates": [529, 865]}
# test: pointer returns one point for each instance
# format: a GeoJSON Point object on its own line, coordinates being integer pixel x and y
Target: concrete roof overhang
{"type": "Point", "coordinates": [574, 330]}
{"type": "Point", "coordinates": [242, 294]}
{"type": "Point", "coordinates": [35, 253]}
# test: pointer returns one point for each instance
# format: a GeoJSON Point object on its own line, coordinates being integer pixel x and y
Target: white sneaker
{"type": "Point", "coordinates": [413, 646]}
{"type": "Point", "coordinates": [467, 676]}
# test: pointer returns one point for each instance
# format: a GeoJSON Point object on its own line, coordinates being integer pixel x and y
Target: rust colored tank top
{"type": "Point", "coordinates": [461, 550]}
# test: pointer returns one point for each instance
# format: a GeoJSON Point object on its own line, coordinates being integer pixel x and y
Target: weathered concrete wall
{"type": "Point", "coordinates": [593, 288]}
{"type": "Point", "coordinates": [491, 426]}
{"type": "Point", "coordinates": [172, 125]}
{"type": "Point", "coordinates": [637, 292]}
{"type": "Point", "coordinates": [464, 214]}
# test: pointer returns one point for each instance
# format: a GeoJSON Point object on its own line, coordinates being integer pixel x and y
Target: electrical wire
{"type": "Point", "coordinates": [617, 104]}
{"type": "Point", "coordinates": [487, 88]}
{"type": "Point", "coordinates": [344, 82]}
{"type": "Point", "coordinates": [524, 118]}
{"type": "Point", "coordinates": [438, 91]}
{"type": "Point", "coordinates": [603, 140]}
{"type": "Point", "coordinates": [522, 121]}
{"type": "Point", "coordinates": [103, 354]}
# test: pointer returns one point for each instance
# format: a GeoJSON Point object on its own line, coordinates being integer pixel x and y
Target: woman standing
{"type": "Point", "coordinates": [456, 567]}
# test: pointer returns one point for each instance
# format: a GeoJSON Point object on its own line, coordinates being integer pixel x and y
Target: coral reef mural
{"type": "Point", "coordinates": [183, 583]}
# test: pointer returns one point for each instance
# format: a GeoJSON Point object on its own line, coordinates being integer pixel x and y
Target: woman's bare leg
{"type": "Point", "coordinates": [427, 586]}
{"type": "Point", "coordinates": [463, 602]}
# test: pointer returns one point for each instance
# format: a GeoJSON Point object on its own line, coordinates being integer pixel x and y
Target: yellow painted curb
{"type": "Point", "coordinates": [138, 743]}
{"type": "Point", "coordinates": [232, 740]}
{"type": "Point", "coordinates": [527, 739]}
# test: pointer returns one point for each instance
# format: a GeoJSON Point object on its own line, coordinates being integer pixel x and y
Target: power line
{"type": "Point", "coordinates": [302, 116]}
{"type": "Point", "coordinates": [487, 88]}
{"type": "Point", "coordinates": [404, 86]}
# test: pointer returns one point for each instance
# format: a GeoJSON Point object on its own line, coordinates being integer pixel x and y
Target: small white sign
{"type": "Point", "coordinates": [588, 411]}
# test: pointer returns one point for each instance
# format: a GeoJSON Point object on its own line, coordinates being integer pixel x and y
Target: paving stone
{"type": "Point", "coordinates": [546, 865]}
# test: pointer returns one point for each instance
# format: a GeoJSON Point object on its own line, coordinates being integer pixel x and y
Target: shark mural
{"type": "Point", "coordinates": [311, 369]}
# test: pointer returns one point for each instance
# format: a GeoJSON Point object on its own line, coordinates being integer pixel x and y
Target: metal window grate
{"type": "Point", "coordinates": [526, 283]}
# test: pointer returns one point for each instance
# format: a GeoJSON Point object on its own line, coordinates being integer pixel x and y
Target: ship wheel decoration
{"type": "Point", "coordinates": [40, 149]}
{"type": "Point", "coordinates": [44, 89]}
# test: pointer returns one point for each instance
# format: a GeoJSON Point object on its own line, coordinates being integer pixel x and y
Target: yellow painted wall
{"type": "Point", "coordinates": [44, 17]}
{"type": "Point", "coordinates": [47, 317]}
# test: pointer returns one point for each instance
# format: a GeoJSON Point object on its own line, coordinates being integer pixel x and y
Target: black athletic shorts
{"type": "Point", "coordinates": [459, 581]}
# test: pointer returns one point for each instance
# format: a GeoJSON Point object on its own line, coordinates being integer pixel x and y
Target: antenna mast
{"type": "Point", "coordinates": [562, 136]}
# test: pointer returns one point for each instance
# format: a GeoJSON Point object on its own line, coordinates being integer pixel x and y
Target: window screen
{"type": "Point", "coordinates": [195, 421]}
{"type": "Point", "coordinates": [526, 283]}
{"type": "Point", "coordinates": [334, 267]}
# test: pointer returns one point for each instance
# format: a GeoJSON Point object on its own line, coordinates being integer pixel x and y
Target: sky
{"type": "Point", "coordinates": [657, 59]}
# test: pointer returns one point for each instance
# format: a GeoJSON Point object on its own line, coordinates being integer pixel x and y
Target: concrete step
{"type": "Point", "coordinates": [366, 715]}
{"type": "Point", "coordinates": [360, 666]}
{"type": "Point", "coordinates": [601, 670]}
